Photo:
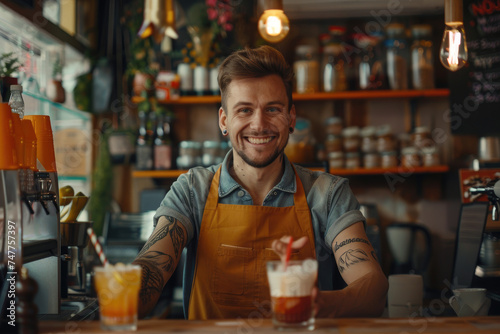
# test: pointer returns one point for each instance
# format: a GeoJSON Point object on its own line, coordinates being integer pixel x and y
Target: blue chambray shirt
{"type": "Point", "coordinates": [332, 204]}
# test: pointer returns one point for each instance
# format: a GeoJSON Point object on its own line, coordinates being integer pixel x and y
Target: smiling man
{"type": "Point", "coordinates": [234, 217]}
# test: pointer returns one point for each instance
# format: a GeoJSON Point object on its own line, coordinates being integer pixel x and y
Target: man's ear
{"type": "Point", "coordinates": [222, 119]}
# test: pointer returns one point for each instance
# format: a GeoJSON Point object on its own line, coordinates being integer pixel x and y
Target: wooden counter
{"type": "Point", "coordinates": [427, 325]}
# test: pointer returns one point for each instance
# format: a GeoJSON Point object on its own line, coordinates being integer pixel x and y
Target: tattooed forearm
{"type": "Point", "coordinates": [348, 241]}
{"type": "Point", "coordinates": [152, 282]}
{"type": "Point", "coordinates": [171, 228]}
{"type": "Point", "coordinates": [352, 256]}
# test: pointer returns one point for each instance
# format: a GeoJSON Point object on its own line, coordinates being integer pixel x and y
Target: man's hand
{"type": "Point", "coordinates": [280, 246]}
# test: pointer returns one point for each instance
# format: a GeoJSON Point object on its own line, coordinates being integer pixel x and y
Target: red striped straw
{"type": "Point", "coordinates": [97, 246]}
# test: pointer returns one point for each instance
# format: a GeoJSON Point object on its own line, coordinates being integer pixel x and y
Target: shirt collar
{"type": "Point", "coordinates": [227, 184]}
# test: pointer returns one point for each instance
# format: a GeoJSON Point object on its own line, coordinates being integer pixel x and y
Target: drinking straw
{"type": "Point", "coordinates": [97, 246]}
{"type": "Point", "coordinates": [288, 252]}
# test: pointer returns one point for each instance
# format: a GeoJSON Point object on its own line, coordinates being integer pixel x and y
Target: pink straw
{"type": "Point", "coordinates": [97, 246]}
{"type": "Point", "coordinates": [288, 252]}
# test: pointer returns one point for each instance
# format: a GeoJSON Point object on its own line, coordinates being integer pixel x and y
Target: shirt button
{"type": "Point", "coordinates": [275, 193]}
{"type": "Point", "coordinates": [241, 193]}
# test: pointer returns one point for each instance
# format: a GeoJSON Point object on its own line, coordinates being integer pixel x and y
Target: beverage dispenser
{"type": "Point", "coordinates": [29, 219]}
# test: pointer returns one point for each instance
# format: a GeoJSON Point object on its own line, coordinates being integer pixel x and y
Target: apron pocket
{"type": "Point", "coordinates": [231, 272]}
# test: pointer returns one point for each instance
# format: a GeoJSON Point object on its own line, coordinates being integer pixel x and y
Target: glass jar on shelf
{"type": "Point", "coordinates": [336, 159]}
{"type": "Point", "coordinates": [334, 65]}
{"type": "Point", "coordinates": [430, 156]}
{"type": "Point", "coordinates": [371, 68]}
{"type": "Point", "coordinates": [351, 139]}
{"type": "Point", "coordinates": [189, 154]}
{"type": "Point", "coordinates": [385, 139]}
{"type": "Point", "coordinates": [371, 160]}
{"type": "Point", "coordinates": [410, 157]}
{"type": "Point", "coordinates": [334, 126]}
{"type": "Point", "coordinates": [352, 160]}
{"type": "Point", "coordinates": [306, 68]}
{"type": "Point", "coordinates": [421, 137]}
{"type": "Point", "coordinates": [422, 60]}
{"type": "Point", "coordinates": [397, 56]}
{"type": "Point", "coordinates": [333, 143]}
{"type": "Point", "coordinates": [388, 159]}
{"type": "Point", "coordinates": [368, 139]}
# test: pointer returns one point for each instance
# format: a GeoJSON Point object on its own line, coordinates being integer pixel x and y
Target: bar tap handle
{"type": "Point", "coordinates": [29, 203]}
{"type": "Point", "coordinates": [44, 206]}
{"type": "Point", "coordinates": [492, 190]}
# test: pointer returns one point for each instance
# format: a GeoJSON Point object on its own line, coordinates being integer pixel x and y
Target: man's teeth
{"type": "Point", "coordinates": [259, 140]}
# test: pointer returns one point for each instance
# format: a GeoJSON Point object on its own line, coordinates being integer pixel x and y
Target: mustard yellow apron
{"type": "Point", "coordinates": [234, 245]}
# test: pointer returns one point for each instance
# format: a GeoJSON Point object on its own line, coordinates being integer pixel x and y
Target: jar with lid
{"type": "Point", "coordinates": [422, 64]}
{"type": "Point", "coordinates": [371, 160]}
{"type": "Point", "coordinates": [334, 126]}
{"type": "Point", "coordinates": [336, 159]}
{"type": "Point", "coordinates": [388, 159]}
{"type": "Point", "coordinates": [189, 154]}
{"type": "Point", "coordinates": [334, 65]}
{"type": "Point", "coordinates": [368, 139]}
{"type": "Point", "coordinates": [421, 137]}
{"type": "Point", "coordinates": [210, 151]}
{"type": "Point", "coordinates": [306, 68]}
{"type": "Point", "coordinates": [351, 139]}
{"type": "Point", "coordinates": [352, 160]}
{"type": "Point", "coordinates": [385, 139]}
{"type": "Point", "coordinates": [410, 157]}
{"type": "Point", "coordinates": [397, 56]}
{"type": "Point", "coordinates": [430, 156]}
{"type": "Point", "coordinates": [371, 68]}
{"type": "Point", "coordinates": [333, 143]}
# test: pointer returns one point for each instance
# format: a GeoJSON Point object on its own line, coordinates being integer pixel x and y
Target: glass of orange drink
{"type": "Point", "coordinates": [118, 294]}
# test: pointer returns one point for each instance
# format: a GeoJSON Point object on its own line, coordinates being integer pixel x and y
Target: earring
{"type": "Point", "coordinates": [224, 132]}
{"type": "Point", "coordinates": [290, 129]}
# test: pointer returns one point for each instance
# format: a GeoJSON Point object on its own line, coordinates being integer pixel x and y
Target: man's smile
{"type": "Point", "coordinates": [259, 140]}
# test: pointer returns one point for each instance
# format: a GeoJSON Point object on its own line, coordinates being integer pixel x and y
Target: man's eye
{"type": "Point", "coordinates": [244, 110]}
{"type": "Point", "coordinates": [273, 109]}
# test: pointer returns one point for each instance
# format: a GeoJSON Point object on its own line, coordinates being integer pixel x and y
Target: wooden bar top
{"type": "Point", "coordinates": [427, 325]}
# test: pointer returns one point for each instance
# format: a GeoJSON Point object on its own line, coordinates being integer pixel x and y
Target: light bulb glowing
{"type": "Point", "coordinates": [273, 25]}
{"type": "Point", "coordinates": [453, 52]}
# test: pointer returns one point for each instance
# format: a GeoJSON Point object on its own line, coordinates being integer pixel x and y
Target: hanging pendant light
{"type": "Point", "coordinates": [273, 24]}
{"type": "Point", "coordinates": [453, 51]}
{"type": "Point", "coordinates": [147, 26]}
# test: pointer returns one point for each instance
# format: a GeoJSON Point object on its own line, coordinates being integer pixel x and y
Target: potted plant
{"type": "Point", "coordinates": [8, 65]}
{"type": "Point", "coordinates": [55, 91]}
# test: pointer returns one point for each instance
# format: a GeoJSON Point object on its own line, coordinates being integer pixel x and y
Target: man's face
{"type": "Point", "coordinates": [257, 119]}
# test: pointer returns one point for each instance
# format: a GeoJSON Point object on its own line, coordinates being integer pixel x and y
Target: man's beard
{"type": "Point", "coordinates": [277, 153]}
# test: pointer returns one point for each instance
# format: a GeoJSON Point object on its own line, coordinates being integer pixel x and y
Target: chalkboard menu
{"type": "Point", "coordinates": [475, 89]}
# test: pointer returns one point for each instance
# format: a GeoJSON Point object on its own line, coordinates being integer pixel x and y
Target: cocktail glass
{"type": "Point", "coordinates": [118, 293]}
{"type": "Point", "coordinates": [291, 293]}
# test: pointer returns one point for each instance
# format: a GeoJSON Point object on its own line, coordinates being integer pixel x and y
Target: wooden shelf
{"type": "Point", "coordinates": [165, 174]}
{"type": "Point", "coordinates": [348, 95]}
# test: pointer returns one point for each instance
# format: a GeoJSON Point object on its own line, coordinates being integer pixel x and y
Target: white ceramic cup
{"type": "Point", "coordinates": [405, 296]}
{"type": "Point", "coordinates": [468, 302]}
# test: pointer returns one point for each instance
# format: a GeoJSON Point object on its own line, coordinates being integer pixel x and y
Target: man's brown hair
{"type": "Point", "coordinates": [254, 63]}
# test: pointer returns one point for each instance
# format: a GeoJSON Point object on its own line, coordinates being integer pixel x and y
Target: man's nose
{"type": "Point", "coordinates": [258, 120]}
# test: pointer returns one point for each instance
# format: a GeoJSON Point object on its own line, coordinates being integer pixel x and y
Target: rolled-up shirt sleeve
{"type": "Point", "coordinates": [343, 210]}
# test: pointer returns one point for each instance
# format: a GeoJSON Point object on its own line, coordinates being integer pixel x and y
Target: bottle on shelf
{"type": "Point", "coordinates": [334, 67]}
{"type": "Point", "coordinates": [163, 144]}
{"type": "Point", "coordinates": [422, 65]}
{"type": "Point", "coordinates": [397, 56]}
{"type": "Point", "coordinates": [143, 144]}
{"type": "Point", "coordinates": [16, 101]}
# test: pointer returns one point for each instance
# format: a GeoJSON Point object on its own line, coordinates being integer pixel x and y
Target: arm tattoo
{"type": "Point", "coordinates": [348, 241]}
{"type": "Point", "coordinates": [162, 260]}
{"type": "Point", "coordinates": [176, 235]}
{"type": "Point", "coordinates": [350, 257]}
{"type": "Point", "coordinates": [151, 281]}
{"type": "Point", "coordinates": [172, 228]}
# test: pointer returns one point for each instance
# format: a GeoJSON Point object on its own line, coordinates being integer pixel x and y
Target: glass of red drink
{"type": "Point", "coordinates": [291, 293]}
